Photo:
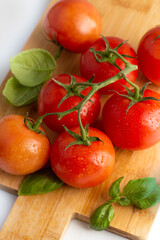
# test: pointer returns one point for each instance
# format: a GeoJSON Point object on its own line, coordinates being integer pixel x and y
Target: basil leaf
{"type": "Point", "coordinates": [114, 189]}
{"type": "Point", "coordinates": [138, 189]}
{"type": "Point", "coordinates": [20, 95]}
{"type": "Point", "coordinates": [102, 217]}
{"type": "Point", "coordinates": [150, 201]}
{"type": "Point", "coordinates": [42, 181]}
{"type": "Point", "coordinates": [32, 67]}
{"type": "Point", "coordinates": [124, 202]}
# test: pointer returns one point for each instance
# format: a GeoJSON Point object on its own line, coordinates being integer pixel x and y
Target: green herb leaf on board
{"type": "Point", "coordinates": [102, 217]}
{"type": "Point", "coordinates": [150, 201]}
{"type": "Point", "coordinates": [32, 67]}
{"type": "Point", "coordinates": [138, 189]}
{"type": "Point", "coordinates": [42, 181]}
{"type": "Point", "coordinates": [19, 95]}
{"type": "Point", "coordinates": [114, 189]}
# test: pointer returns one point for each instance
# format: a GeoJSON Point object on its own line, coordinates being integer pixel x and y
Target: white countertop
{"type": "Point", "coordinates": [18, 19]}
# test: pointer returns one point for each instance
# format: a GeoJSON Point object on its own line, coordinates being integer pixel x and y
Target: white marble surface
{"type": "Point", "coordinates": [18, 19]}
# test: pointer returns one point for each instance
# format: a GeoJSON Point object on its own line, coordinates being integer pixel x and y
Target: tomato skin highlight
{"type": "Point", "coordinates": [22, 151]}
{"type": "Point", "coordinates": [80, 166]}
{"type": "Point", "coordinates": [105, 70]}
{"type": "Point", "coordinates": [50, 96]}
{"type": "Point", "coordinates": [137, 129]}
{"type": "Point", "coordinates": [149, 55]}
{"type": "Point", "coordinates": [76, 23]}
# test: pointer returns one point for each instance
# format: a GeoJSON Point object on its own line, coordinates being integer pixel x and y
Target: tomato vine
{"type": "Point", "coordinates": [76, 88]}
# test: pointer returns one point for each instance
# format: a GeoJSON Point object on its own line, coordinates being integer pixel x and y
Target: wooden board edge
{"type": "Point", "coordinates": [8, 189]}
{"type": "Point", "coordinates": [110, 229]}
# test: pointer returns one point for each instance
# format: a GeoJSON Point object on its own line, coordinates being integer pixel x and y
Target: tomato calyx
{"type": "Point", "coordinates": [73, 89]}
{"type": "Point", "coordinates": [81, 139]}
{"type": "Point", "coordinates": [155, 38]}
{"type": "Point", "coordinates": [33, 126]}
{"type": "Point", "coordinates": [136, 95]}
{"type": "Point", "coordinates": [109, 54]}
{"type": "Point", "coordinates": [60, 47]}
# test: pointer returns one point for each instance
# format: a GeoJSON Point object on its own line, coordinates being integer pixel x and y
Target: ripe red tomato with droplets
{"type": "Point", "coordinates": [22, 151]}
{"type": "Point", "coordinates": [105, 70]}
{"type": "Point", "coordinates": [149, 55]}
{"type": "Point", "coordinates": [136, 129]}
{"type": "Point", "coordinates": [75, 23]}
{"type": "Point", "coordinates": [51, 95]}
{"type": "Point", "coordinates": [83, 166]}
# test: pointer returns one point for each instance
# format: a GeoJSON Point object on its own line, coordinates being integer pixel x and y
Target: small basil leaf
{"type": "Point", "coordinates": [42, 181]}
{"type": "Point", "coordinates": [150, 201]}
{"type": "Point", "coordinates": [124, 202]}
{"type": "Point", "coordinates": [32, 67]}
{"type": "Point", "coordinates": [114, 189]}
{"type": "Point", "coordinates": [102, 217]}
{"type": "Point", "coordinates": [139, 188]}
{"type": "Point", "coordinates": [20, 95]}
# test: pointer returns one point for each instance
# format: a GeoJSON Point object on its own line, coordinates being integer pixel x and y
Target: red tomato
{"type": "Point", "coordinates": [22, 151]}
{"type": "Point", "coordinates": [50, 96]}
{"type": "Point", "coordinates": [149, 55]}
{"type": "Point", "coordinates": [80, 166]}
{"type": "Point", "coordinates": [76, 24]}
{"type": "Point", "coordinates": [105, 70]}
{"type": "Point", "coordinates": [137, 129]}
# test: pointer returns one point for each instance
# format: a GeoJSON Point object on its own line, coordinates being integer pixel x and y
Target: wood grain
{"type": "Point", "coordinates": [47, 216]}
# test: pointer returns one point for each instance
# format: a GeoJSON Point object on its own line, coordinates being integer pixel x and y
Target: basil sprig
{"type": "Point", "coordinates": [142, 192]}
{"type": "Point", "coordinates": [31, 68]}
{"type": "Point", "coordinates": [102, 217]}
{"type": "Point", "coordinates": [19, 95]}
{"type": "Point", "coordinates": [40, 182]}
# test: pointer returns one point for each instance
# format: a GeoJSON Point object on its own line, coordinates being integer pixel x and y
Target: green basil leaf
{"type": "Point", "coordinates": [114, 189]}
{"type": "Point", "coordinates": [32, 67]}
{"type": "Point", "coordinates": [20, 95]}
{"type": "Point", "coordinates": [102, 217]}
{"type": "Point", "coordinates": [138, 189]}
{"type": "Point", "coordinates": [42, 181]}
{"type": "Point", "coordinates": [150, 201]}
{"type": "Point", "coordinates": [124, 202]}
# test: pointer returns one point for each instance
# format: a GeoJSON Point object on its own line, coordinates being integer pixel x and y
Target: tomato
{"type": "Point", "coordinates": [22, 151]}
{"type": "Point", "coordinates": [50, 96]}
{"type": "Point", "coordinates": [137, 129]}
{"type": "Point", "coordinates": [76, 24]}
{"type": "Point", "coordinates": [80, 166]}
{"type": "Point", "coordinates": [105, 70]}
{"type": "Point", "coordinates": [149, 55]}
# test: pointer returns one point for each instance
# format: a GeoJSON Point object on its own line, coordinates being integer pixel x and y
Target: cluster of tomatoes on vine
{"type": "Point", "coordinates": [83, 156]}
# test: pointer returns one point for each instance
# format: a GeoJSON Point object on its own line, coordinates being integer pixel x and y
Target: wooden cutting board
{"type": "Point", "coordinates": [47, 216]}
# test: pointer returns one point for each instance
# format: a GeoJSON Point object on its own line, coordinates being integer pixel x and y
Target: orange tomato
{"type": "Point", "coordinates": [75, 23]}
{"type": "Point", "coordinates": [22, 151]}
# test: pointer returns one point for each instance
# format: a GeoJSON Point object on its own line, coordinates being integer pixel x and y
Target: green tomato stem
{"type": "Point", "coordinates": [136, 88]}
{"type": "Point", "coordinates": [83, 133]}
{"type": "Point", "coordinates": [114, 52]}
{"type": "Point", "coordinates": [60, 48]}
{"type": "Point", "coordinates": [128, 69]}
{"type": "Point", "coordinates": [94, 88]}
{"type": "Point", "coordinates": [40, 120]}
